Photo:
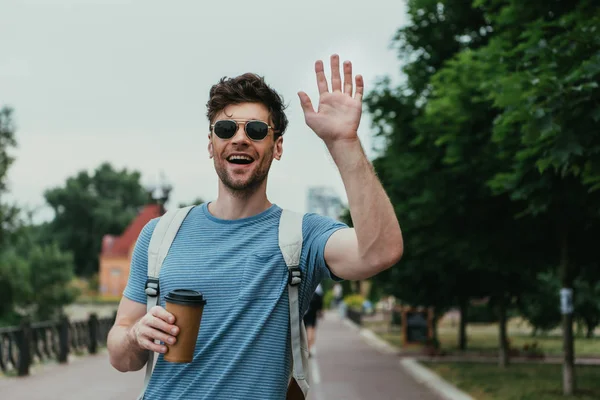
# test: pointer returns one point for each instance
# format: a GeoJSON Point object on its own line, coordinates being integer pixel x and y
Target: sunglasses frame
{"type": "Point", "coordinates": [237, 128]}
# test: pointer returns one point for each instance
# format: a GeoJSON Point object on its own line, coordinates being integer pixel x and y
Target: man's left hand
{"type": "Point", "coordinates": [339, 112]}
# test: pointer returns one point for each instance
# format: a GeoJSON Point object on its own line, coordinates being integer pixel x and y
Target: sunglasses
{"type": "Point", "coordinates": [227, 128]}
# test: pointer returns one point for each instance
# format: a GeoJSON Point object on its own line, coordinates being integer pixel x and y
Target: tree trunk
{"type": "Point", "coordinates": [567, 320]}
{"type": "Point", "coordinates": [434, 324]}
{"type": "Point", "coordinates": [569, 356]}
{"type": "Point", "coordinates": [463, 304]}
{"type": "Point", "coordinates": [589, 332]}
{"type": "Point", "coordinates": [503, 356]}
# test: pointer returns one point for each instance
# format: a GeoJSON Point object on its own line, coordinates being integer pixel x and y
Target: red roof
{"type": "Point", "coordinates": [120, 245]}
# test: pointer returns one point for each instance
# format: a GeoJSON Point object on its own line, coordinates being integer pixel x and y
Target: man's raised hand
{"type": "Point", "coordinates": [339, 111]}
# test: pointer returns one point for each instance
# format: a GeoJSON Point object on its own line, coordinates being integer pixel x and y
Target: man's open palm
{"type": "Point", "coordinates": [339, 112]}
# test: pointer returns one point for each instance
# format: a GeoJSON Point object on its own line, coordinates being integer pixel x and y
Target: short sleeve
{"type": "Point", "coordinates": [317, 230]}
{"type": "Point", "coordinates": [138, 270]}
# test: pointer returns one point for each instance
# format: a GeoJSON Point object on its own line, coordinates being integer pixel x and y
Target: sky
{"type": "Point", "coordinates": [127, 82]}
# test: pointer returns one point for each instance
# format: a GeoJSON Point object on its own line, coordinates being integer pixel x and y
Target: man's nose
{"type": "Point", "coordinates": [240, 136]}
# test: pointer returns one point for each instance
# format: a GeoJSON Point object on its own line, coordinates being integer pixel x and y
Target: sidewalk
{"type": "Point", "coordinates": [344, 367]}
{"type": "Point", "coordinates": [88, 378]}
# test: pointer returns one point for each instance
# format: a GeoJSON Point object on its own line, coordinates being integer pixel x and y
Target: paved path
{"type": "Point", "coordinates": [345, 367]}
{"type": "Point", "coordinates": [85, 378]}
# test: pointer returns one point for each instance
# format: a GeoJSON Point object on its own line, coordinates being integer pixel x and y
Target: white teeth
{"type": "Point", "coordinates": [236, 157]}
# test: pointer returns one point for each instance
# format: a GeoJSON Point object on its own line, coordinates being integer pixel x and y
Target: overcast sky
{"type": "Point", "coordinates": [127, 82]}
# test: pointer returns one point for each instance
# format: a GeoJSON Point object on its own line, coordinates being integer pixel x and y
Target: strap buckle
{"type": "Point", "coordinates": [152, 287]}
{"type": "Point", "coordinates": [294, 276]}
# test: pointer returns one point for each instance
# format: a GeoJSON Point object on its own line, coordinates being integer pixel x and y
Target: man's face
{"type": "Point", "coordinates": [241, 163]}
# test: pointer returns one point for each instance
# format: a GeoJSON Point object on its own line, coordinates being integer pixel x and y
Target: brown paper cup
{"type": "Point", "coordinates": [187, 307]}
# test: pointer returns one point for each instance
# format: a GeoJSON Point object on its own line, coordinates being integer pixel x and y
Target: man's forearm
{"type": "Point", "coordinates": [125, 354]}
{"type": "Point", "coordinates": [377, 228]}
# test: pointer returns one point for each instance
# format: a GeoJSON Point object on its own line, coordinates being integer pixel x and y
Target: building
{"type": "Point", "coordinates": [115, 256]}
{"type": "Point", "coordinates": [324, 201]}
{"type": "Point", "coordinates": [116, 251]}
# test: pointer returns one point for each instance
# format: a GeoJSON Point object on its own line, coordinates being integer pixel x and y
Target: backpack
{"type": "Point", "coordinates": [290, 243]}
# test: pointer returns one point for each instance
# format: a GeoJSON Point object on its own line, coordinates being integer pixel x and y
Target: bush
{"type": "Point", "coordinates": [328, 299]}
{"type": "Point", "coordinates": [354, 301]}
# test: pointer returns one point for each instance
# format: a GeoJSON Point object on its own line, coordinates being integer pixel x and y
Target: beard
{"type": "Point", "coordinates": [244, 187]}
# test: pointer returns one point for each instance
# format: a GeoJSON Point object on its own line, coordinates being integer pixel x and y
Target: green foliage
{"type": "Point", "coordinates": [7, 141]}
{"type": "Point", "coordinates": [492, 155]}
{"type": "Point", "coordinates": [13, 272]}
{"type": "Point", "coordinates": [587, 303]}
{"type": "Point", "coordinates": [196, 201]}
{"type": "Point", "coordinates": [481, 313]}
{"type": "Point", "coordinates": [90, 206]}
{"type": "Point", "coordinates": [34, 278]}
{"type": "Point", "coordinates": [15, 288]}
{"type": "Point", "coordinates": [354, 301]}
{"type": "Point", "coordinates": [328, 299]}
{"type": "Point", "coordinates": [51, 272]}
{"type": "Point", "coordinates": [540, 306]}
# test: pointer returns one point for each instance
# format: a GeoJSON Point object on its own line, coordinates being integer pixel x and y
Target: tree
{"type": "Point", "coordinates": [196, 201]}
{"type": "Point", "coordinates": [14, 286]}
{"type": "Point", "coordinates": [587, 304]}
{"type": "Point", "coordinates": [90, 206]}
{"type": "Point", "coordinates": [436, 165]}
{"type": "Point", "coordinates": [51, 272]}
{"type": "Point", "coordinates": [540, 305]}
{"type": "Point", "coordinates": [30, 276]}
{"type": "Point", "coordinates": [13, 273]}
{"type": "Point", "coordinates": [544, 63]}
{"type": "Point", "coordinates": [8, 213]}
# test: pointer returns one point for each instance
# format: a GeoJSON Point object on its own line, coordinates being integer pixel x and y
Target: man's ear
{"type": "Point", "coordinates": [210, 147]}
{"type": "Point", "coordinates": [278, 152]}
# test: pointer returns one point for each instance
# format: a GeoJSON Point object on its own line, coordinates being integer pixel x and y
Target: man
{"type": "Point", "coordinates": [228, 249]}
{"type": "Point", "coordinates": [314, 312]}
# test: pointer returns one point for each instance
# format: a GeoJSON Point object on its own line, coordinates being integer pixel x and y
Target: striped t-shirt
{"type": "Point", "coordinates": [242, 350]}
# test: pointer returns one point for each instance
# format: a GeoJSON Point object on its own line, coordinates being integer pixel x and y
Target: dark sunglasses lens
{"type": "Point", "coordinates": [225, 129]}
{"type": "Point", "coordinates": [257, 130]}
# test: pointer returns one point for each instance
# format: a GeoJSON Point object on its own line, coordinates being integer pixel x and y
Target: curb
{"type": "Point", "coordinates": [417, 371]}
{"type": "Point", "coordinates": [433, 381]}
{"type": "Point", "coordinates": [372, 339]}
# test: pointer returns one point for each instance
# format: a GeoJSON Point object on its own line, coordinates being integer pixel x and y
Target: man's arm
{"type": "Point", "coordinates": [375, 243]}
{"type": "Point", "coordinates": [125, 354]}
{"type": "Point", "coordinates": [134, 332]}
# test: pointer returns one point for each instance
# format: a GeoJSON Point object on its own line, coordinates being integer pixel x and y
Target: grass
{"type": "Point", "coordinates": [483, 338]}
{"type": "Point", "coordinates": [518, 381]}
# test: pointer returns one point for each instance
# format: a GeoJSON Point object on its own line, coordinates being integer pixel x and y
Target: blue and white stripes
{"type": "Point", "coordinates": [242, 350]}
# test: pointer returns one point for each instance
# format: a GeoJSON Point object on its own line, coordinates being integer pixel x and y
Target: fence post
{"type": "Point", "coordinates": [24, 348]}
{"type": "Point", "coordinates": [93, 333]}
{"type": "Point", "coordinates": [63, 339]}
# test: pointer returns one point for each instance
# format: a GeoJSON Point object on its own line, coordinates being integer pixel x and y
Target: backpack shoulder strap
{"type": "Point", "coordinates": [290, 243]}
{"type": "Point", "coordinates": [164, 233]}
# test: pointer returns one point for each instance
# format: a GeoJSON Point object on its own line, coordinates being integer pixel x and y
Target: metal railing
{"type": "Point", "coordinates": [30, 343]}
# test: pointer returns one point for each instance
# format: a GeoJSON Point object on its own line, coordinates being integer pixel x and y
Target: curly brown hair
{"type": "Point", "coordinates": [247, 88]}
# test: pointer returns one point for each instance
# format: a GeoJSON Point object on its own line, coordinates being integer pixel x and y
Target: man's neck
{"type": "Point", "coordinates": [229, 206]}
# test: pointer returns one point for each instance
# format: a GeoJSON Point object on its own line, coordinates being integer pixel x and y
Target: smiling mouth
{"type": "Point", "coordinates": [240, 160]}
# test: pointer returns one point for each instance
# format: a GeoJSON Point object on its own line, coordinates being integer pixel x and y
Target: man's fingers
{"type": "Point", "coordinates": [336, 79]}
{"type": "Point", "coordinates": [321, 79]}
{"type": "Point", "coordinates": [162, 326]}
{"type": "Point", "coordinates": [156, 334]}
{"type": "Point", "coordinates": [163, 314]}
{"type": "Point", "coordinates": [348, 78]}
{"type": "Point", "coordinates": [150, 345]}
{"type": "Point", "coordinates": [360, 87]}
{"type": "Point", "coordinates": [306, 104]}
